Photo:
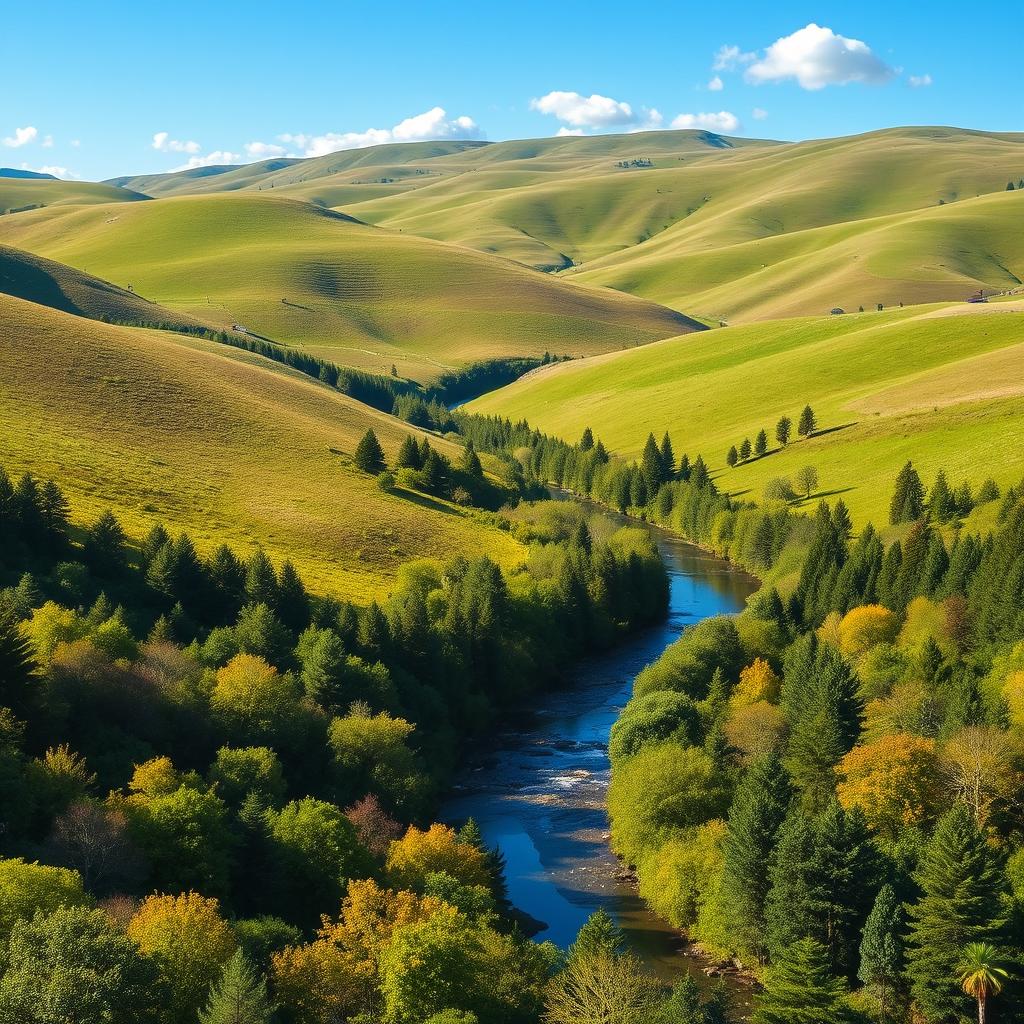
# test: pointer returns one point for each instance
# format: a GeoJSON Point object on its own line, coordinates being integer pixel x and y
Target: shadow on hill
{"type": "Point", "coordinates": [820, 496]}
{"type": "Point", "coordinates": [425, 501]}
{"type": "Point", "coordinates": [832, 430]}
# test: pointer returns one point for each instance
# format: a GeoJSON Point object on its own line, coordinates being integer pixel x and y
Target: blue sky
{"type": "Point", "coordinates": [94, 90]}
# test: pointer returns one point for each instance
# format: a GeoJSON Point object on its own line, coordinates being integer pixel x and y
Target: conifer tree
{"type": "Point", "coordinates": [800, 989]}
{"type": "Point", "coordinates": [369, 456]}
{"type": "Point", "coordinates": [435, 474]}
{"type": "Point", "coordinates": [470, 462]}
{"type": "Point", "coordinates": [961, 902]}
{"type": "Point", "coordinates": [940, 499]}
{"type": "Point", "coordinates": [668, 458]}
{"type": "Point", "coordinates": [732, 457]}
{"type": "Point", "coordinates": [760, 443]}
{"type": "Point", "coordinates": [105, 544]}
{"type": "Point", "coordinates": [260, 580]}
{"type": "Point", "coordinates": [782, 430]}
{"type": "Point", "coordinates": [882, 952]}
{"type": "Point", "coordinates": [587, 440]}
{"type": "Point", "coordinates": [651, 467]}
{"type": "Point", "coordinates": [17, 666]}
{"type": "Point", "coordinates": [55, 510]}
{"type": "Point", "coordinates": [841, 519]}
{"type": "Point", "coordinates": [292, 599]}
{"type": "Point", "coordinates": [699, 475]}
{"type": "Point", "coordinates": [408, 454]}
{"type": "Point", "coordinates": [239, 997]}
{"type": "Point", "coordinates": [684, 467]}
{"type": "Point", "coordinates": [745, 449]}
{"type": "Point", "coordinates": [908, 497]}
{"type": "Point", "coordinates": [808, 423]}
{"type": "Point", "coordinates": [599, 936]}
{"type": "Point", "coordinates": [757, 812]}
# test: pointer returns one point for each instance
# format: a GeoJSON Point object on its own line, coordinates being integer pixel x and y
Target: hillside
{"type": "Point", "coordinates": [355, 294]}
{"type": "Point", "coordinates": [938, 385]}
{"type": "Point", "coordinates": [203, 437]}
{"type": "Point", "coordinates": [20, 194]}
{"type": "Point", "coordinates": [42, 281]}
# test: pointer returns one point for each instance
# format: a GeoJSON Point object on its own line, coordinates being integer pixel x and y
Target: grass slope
{"type": "Point", "coordinates": [939, 385]}
{"type": "Point", "coordinates": [348, 292]}
{"type": "Point", "coordinates": [231, 447]}
{"type": "Point", "coordinates": [20, 194]}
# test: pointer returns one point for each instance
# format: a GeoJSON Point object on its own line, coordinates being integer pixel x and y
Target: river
{"type": "Point", "coordinates": [538, 792]}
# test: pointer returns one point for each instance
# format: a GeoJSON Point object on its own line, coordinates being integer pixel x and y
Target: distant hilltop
{"type": "Point", "coordinates": [14, 172]}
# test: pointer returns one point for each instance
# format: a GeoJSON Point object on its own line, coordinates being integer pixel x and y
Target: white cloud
{"type": "Point", "coordinates": [216, 158]}
{"type": "Point", "coordinates": [919, 81]}
{"type": "Point", "coordinates": [263, 150]}
{"type": "Point", "coordinates": [816, 57]}
{"type": "Point", "coordinates": [432, 124]}
{"type": "Point", "coordinates": [57, 172]}
{"type": "Point", "coordinates": [730, 57]}
{"type": "Point", "coordinates": [21, 137]}
{"type": "Point", "coordinates": [723, 121]}
{"type": "Point", "coordinates": [565, 132]}
{"type": "Point", "coordinates": [165, 144]}
{"type": "Point", "coordinates": [47, 143]}
{"type": "Point", "coordinates": [716, 84]}
{"type": "Point", "coordinates": [594, 111]}
{"type": "Point", "coordinates": [759, 113]}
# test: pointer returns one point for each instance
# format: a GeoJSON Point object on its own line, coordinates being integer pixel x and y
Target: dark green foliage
{"type": "Point", "coordinates": [800, 989]}
{"type": "Point", "coordinates": [587, 440]}
{"type": "Point", "coordinates": [808, 422]}
{"type": "Point", "coordinates": [369, 456]}
{"type": "Point", "coordinates": [962, 893]}
{"type": "Point", "coordinates": [882, 950]}
{"type": "Point", "coordinates": [599, 936]}
{"type": "Point", "coordinates": [239, 997]}
{"type": "Point", "coordinates": [821, 568]}
{"type": "Point", "coordinates": [744, 450]}
{"type": "Point", "coordinates": [105, 545]}
{"type": "Point", "coordinates": [760, 443]}
{"type": "Point", "coordinates": [653, 469]}
{"type": "Point", "coordinates": [17, 666]}
{"type": "Point", "coordinates": [668, 457]}
{"type": "Point", "coordinates": [758, 811]}
{"type": "Point", "coordinates": [470, 462]}
{"type": "Point", "coordinates": [408, 454]}
{"type": "Point", "coordinates": [732, 457]}
{"type": "Point", "coordinates": [941, 506]}
{"type": "Point", "coordinates": [908, 497]}
{"type": "Point", "coordinates": [782, 430]}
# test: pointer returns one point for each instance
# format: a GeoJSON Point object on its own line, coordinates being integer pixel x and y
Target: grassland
{"type": "Point", "coordinates": [229, 446]}
{"type": "Point", "coordinates": [20, 194]}
{"type": "Point", "coordinates": [940, 385]}
{"type": "Point", "coordinates": [355, 294]}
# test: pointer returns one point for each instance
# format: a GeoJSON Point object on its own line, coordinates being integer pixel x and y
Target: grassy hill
{"type": "Point", "coordinates": [231, 447]}
{"type": "Point", "coordinates": [939, 385]}
{"type": "Point", "coordinates": [20, 194]}
{"type": "Point", "coordinates": [47, 283]}
{"type": "Point", "coordinates": [355, 294]}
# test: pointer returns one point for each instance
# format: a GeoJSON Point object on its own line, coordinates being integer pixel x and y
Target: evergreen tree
{"type": "Point", "coordinates": [699, 475]}
{"type": "Point", "coordinates": [782, 430]}
{"type": "Point", "coordinates": [808, 423]}
{"type": "Point", "coordinates": [435, 474]}
{"type": "Point", "coordinates": [55, 512]}
{"type": "Point", "coordinates": [470, 462]}
{"type": "Point", "coordinates": [684, 468]}
{"type": "Point", "coordinates": [760, 443]}
{"type": "Point", "coordinates": [105, 545]}
{"type": "Point", "coordinates": [17, 666]}
{"type": "Point", "coordinates": [369, 456]}
{"type": "Point", "coordinates": [908, 497]}
{"type": "Point", "coordinates": [841, 519]}
{"type": "Point", "coordinates": [881, 951]}
{"type": "Point", "coordinates": [800, 989]}
{"type": "Point", "coordinates": [745, 449]}
{"type": "Point", "coordinates": [587, 440]}
{"type": "Point", "coordinates": [260, 580]}
{"type": "Point", "coordinates": [940, 499]}
{"type": "Point", "coordinates": [152, 543]}
{"type": "Point", "coordinates": [239, 997]}
{"type": "Point", "coordinates": [757, 812]}
{"type": "Point", "coordinates": [292, 599]}
{"type": "Point", "coordinates": [668, 457]}
{"type": "Point", "coordinates": [651, 467]}
{"type": "Point", "coordinates": [599, 936]}
{"type": "Point", "coordinates": [962, 900]}
{"type": "Point", "coordinates": [732, 457]}
{"type": "Point", "coordinates": [408, 454]}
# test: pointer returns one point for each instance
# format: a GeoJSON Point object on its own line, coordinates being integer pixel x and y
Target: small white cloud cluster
{"type": "Point", "coordinates": [57, 172]}
{"type": "Point", "coordinates": [919, 81]}
{"type": "Point", "coordinates": [723, 121]}
{"type": "Point", "coordinates": [431, 124]}
{"type": "Point", "coordinates": [22, 137]}
{"type": "Point", "coordinates": [163, 143]}
{"type": "Point", "coordinates": [728, 58]}
{"type": "Point", "coordinates": [582, 113]}
{"type": "Point", "coordinates": [814, 57]}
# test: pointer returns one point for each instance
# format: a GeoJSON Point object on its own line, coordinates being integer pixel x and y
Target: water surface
{"type": "Point", "coordinates": [538, 791]}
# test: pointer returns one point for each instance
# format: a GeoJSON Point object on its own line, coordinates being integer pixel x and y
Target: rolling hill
{"type": "Point", "coordinates": [21, 194]}
{"type": "Point", "coordinates": [355, 294]}
{"type": "Point", "coordinates": [940, 385]}
{"type": "Point", "coordinates": [165, 428]}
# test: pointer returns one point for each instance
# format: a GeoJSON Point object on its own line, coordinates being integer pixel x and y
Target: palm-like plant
{"type": "Point", "coordinates": [980, 975]}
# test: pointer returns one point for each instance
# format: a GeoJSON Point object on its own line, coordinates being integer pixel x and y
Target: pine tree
{"type": "Point", "coordinates": [104, 545]}
{"type": "Point", "coordinates": [882, 952]}
{"type": "Point", "coordinates": [745, 449]}
{"type": "Point", "coordinates": [599, 936]}
{"type": "Point", "coordinates": [292, 599]}
{"type": "Point", "coordinates": [808, 423]}
{"type": "Point", "coordinates": [470, 462]}
{"type": "Point", "coordinates": [908, 497]}
{"type": "Point", "coordinates": [369, 456]}
{"type": "Point", "coordinates": [668, 458]}
{"type": "Point", "coordinates": [435, 474]}
{"type": "Point", "coordinates": [782, 430]}
{"type": "Point", "coordinates": [760, 443]}
{"type": "Point", "coordinates": [55, 511]}
{"type": "Point", "coordinates": [408, 454]}
{"type": "Point", "coordinates": [800, 989]}
{"type": "Point", "coordinates": [757, 812]}
{"type": "Point", "coordinates": [239, 997]}
{"type": "Point", "coordinates": [17, 666]}
{"type": "Point", "coordinates": [732, 457]}
{"type": "Point", "coordinates": [587, 440]}
{"type": "Point", "coordinates": [652, 468]}
{"type": "Point", "coordinates": [962, 899]}
{"type": "Point", "coordinates": [940, 499]}
{"type": "Point", "coordinates": [684, 468]}
{"type": "Point", "coordinates": [841, 519]}
{"type": "Point", "coordinates": [699, 475]}
{"type": "Point", "coordinates": [261, 580]}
